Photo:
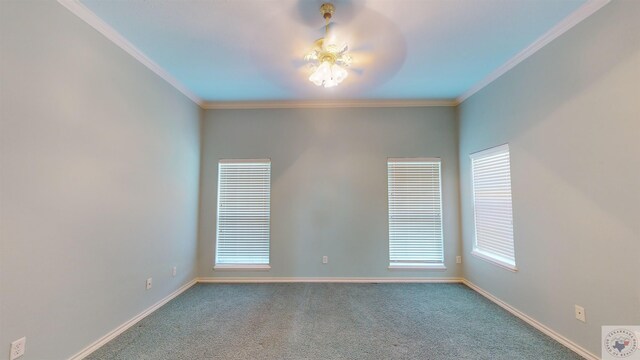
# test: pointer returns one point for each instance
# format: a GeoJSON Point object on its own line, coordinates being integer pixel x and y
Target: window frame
{"type": "Point", "coordinates": [483, 254]}
{"type": "Point", "coordinates": [240, 266]}
{"type": "Point", "coordinates": [416, 265]}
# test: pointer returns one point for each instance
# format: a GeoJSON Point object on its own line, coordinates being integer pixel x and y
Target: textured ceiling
{"type": "Point", "coordinates": [244, 50]}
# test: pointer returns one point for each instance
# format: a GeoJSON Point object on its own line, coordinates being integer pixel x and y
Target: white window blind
{"type": "Point", "coordinates": [415, 213]}
{"type": "Point", "coordinates": [492, 206]}
{"type": "Point", "coordinates": [244, 188]}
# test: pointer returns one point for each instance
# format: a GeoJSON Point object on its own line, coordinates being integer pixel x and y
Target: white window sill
{"type": "Point", "coordinates": [488, 258]}
{"type": "Point", "coordinates": [417, 266]}
{"type": "Point", "coordinates": [242, 267]}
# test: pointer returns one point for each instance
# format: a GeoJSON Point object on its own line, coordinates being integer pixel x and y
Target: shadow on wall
{"type": "Point", "coordinates": [545, 112]}
{"type": "Point", "coordinates": [332, 194]}
{"type": "Point", "coordinates": [569, 113]}
{"type": "Point", "coordinates": [320, 190]}
{"type": "Point", "coordinates": [328, 182]}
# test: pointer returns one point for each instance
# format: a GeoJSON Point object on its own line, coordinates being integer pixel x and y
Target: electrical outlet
{"type": "Point", "coordinates": [580, 314]}
{"type": "Point", "coordinates": [458, 259]}
{"type": "Point", "coordinates": [325, 259]}
{"type": "Point", "coordinates": [174, 271]}
{"type": "Point", "coordinates": [18, 348]}
{"type": "Point", "coordinates": [149, 283]}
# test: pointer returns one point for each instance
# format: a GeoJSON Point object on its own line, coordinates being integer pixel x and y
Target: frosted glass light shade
{"type": "Point", "coordinates": [338, 73]}
{"type": "Point", "coordinates": [328, 75]}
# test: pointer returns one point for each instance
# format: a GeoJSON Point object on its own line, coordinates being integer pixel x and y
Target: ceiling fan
{"type": "Point", "coordinates": [366, 45]}
{"type": "Point", "coordinates": [329, 55]}
{"type": "Point", "coordinates": [369, 46]}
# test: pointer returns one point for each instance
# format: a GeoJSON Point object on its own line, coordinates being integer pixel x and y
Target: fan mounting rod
{"type": "Point", "coordinates": [327, 10]}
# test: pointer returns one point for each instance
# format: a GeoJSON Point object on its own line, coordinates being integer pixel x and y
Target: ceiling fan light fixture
{"type": "Point", "coordinates": [321, 73]}
{"type": "Point", "coordinates": [328, 58]}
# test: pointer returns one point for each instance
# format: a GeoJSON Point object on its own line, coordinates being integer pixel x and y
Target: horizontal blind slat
{"type": "Point", "coordinates": [415, 212]}
{"type": "Point", "coordinates": [492, 203]}
{"type": "Point", "coordinates": [243, 212]}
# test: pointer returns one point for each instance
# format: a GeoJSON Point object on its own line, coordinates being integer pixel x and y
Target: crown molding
{"type": "Point", "coordinates": [78, 9]}
{"type": "Point", "coordinates": [88, 16]}
{"type": "Point", "coordinates": [322, 104]}
{"type": "Point", "coordinates": [583, 12]}
{"type": "Point", "coordinates": [81, 11]}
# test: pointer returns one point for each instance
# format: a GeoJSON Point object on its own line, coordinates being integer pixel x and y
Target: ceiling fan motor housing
{"type": "Point", "coordinates": [327, 10]}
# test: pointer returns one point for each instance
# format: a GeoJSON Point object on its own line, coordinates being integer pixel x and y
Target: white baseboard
{"type": "Point", "coordinates": [122, 328]}
{"type": "Point", "coordinates": [526, 318]}
{"type": "Point", "coordinates": [533, 322]}
{"type": "Point", "coordinates": [326, 280]}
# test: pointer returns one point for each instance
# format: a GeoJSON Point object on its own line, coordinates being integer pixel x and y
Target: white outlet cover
{"type": "Point", "coordinates": [325, 259]}
{"type": "Point", "coordinates": [149, 283]}
{"type": "Point", "coordinates": [174, 271]}
{"type": "Point", "coordinates": [459, 259]}
{"type": "Point", "coordinates": [580, 314]}
{"type": "Point", "coordinates": [18, 348]}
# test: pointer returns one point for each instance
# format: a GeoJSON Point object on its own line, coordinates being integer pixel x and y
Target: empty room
{"type": "Point", "coordinates": [303, 179]}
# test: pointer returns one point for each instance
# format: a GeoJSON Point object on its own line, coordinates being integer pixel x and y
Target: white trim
{"type": "Point", "coordinates": [233, 161]}
{"type": "Point", "coordinates": [234, 267]}
{"type": "Point", "coordinates": [480, 251]}
{"type": "Point", "coordinates": [84, 13]}
{"type": "Point", "coordinates": [415, 159]}
{"type": "Point", "coordinates": [322, 104]}
{"type": "Point", "coordinates": [563, 26]}
{"type": "Point", "coordinates": [536, 324]}
{"type": "Point", "coordinates": [81, 11]}
{"type": "Point", "coordinates": [414, 266]}
{"type": "Point", "coordinates": [533, 322]}
{"type": "Point", "coordinates": [493, 260]}
{"type": "Point", "coordinates": [122, 328]}
{"type": "Point", "coordinates": [489, 151]}
{"type": "Point", "coordinates": [77, 8]}
{"type": "Point", "coordinates": [326, 280]}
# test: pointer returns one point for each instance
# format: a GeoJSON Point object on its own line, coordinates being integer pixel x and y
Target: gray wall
{"type": "Point", "coordinates": [99, 164]}
{"type": "Point", "coordinates": [329, 184]}
{"type": "Point", "coordinates": [99, 167]}
{"type": "Point", "coordinates": [570, 115]}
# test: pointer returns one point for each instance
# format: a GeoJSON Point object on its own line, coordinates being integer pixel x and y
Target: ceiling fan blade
{"type": "Point", "coordinates": [357, 71]}
{"type": "Point", "coordinates": [298, 63]}
{"type": "Point", "coordinates": [362, 58]}
{"type": "Point", "coordinates": [368, 47]}
{"type": "Point", "coordinates": [376, 45]}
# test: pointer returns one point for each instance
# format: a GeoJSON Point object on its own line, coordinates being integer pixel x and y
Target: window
{"type": "Point", "coordinates": [492, 206]}
{"type": "Point", "coordinates": [244, 188]}
{"type": "Point", "coordinates": [415, 214]}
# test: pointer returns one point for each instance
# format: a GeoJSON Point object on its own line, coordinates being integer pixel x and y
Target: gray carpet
{"type": "Point", "coordinates": [331, 321]}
